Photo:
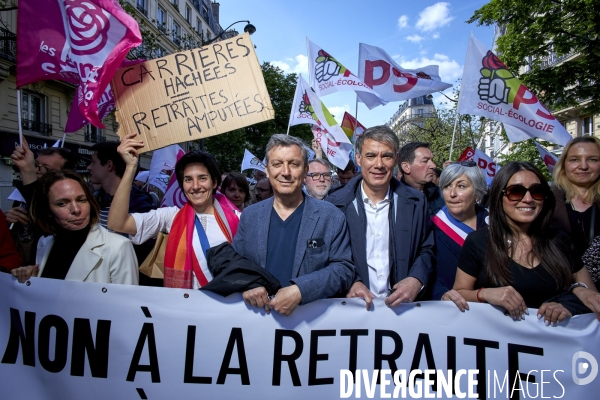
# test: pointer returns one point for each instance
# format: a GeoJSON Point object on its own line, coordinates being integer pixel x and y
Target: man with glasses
{"type": "Point", "coordinates": [317, 181]}
{"type": "Point", "coordinates": [263, 190]}
{"type": "Point", "coordinates": [390, 229]}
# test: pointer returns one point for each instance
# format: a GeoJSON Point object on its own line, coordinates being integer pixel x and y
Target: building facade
{"type": "Point", "coordinates": [411, 113]}
{"type": "Point", "coordinates": [167, 26]}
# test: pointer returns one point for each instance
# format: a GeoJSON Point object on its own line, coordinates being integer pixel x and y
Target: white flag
{"type": "Point", "coordinates": [16, 196]}
{"type": "Point", "coordinates": [57, 144]}
{"type": "Point", "coordinates": [392, 82]}
{"type": "Point", "coordinates": [162, 166]}
{"type": "Point", "coordinates": [328, 75]}
{"type": "Point", "coordinates": [250, 161]}
{"type": "Point", "coordinates": [483, 161]}
{"type": "Point", "coordinates": [309, 109]}
{"type": "Point", "coordinates": [548, 158]}
{"type": "Point", "coordinates": [337, 153]}
{"type": "Point", "coordinates": [489, 89]}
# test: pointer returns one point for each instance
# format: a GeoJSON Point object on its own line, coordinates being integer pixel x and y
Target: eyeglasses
{"type": "Point", "coordinates": [316, 175]}
{"type": "Point", "coordinates": [517, 192]}
{"type": "Point", "coordinates": [470, 163]}
{"type": "Point", "coordinates": [43, 168]}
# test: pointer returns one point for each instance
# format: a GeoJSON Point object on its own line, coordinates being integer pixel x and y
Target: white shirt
{"type": "Point", "coordinates": [161, 220]}
{"type": "Point", "coordinates": [378, 243]}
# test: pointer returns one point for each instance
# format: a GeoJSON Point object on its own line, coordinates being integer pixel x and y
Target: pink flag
{"type": "Point", "coordinates": [106, 104]}
{"type": "Point", "coordinates": [78, 41]}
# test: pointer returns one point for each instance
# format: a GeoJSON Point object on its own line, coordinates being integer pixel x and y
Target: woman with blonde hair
{"type": "Point", "coordinates": [577, 191]}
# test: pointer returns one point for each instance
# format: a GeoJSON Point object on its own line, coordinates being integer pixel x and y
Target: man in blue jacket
{"type": "Point", "coordinates": [389, 224]}
{"type": "Point", "coordinates": [302, 241]}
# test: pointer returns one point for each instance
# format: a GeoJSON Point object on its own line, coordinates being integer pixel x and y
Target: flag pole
{"type": "Point", "coordinates": [19, 117]}
{"type": "Point", "coordinates": [453, 134]}
{"type": "Point", "coordinates": [356, 108]}
{"type": "Point", "coordinates": [288, 131]}
{"type": "Point", "coordinates": [62, 142]}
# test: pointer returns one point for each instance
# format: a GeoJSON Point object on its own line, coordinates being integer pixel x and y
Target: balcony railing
{"type": "Point", "coordinates": [552, 59]}
{"type": "Point", "coordinates": [91, 137]}
{"type": "Point", "coordinates": [408, 117]}
{"type": "Point", "coordinates": [142, 9]}
{"type": "Point", "coordinates": [36, 126]}
{"type": "Point", "coordinates": [8, 44]}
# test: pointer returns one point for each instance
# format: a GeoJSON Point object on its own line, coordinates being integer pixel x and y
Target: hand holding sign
{"type": "Point", "coordinates": [128, 149]}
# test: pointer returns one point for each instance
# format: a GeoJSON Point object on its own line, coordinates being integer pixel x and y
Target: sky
{"type": "Point", "coordinates": [414, 33]}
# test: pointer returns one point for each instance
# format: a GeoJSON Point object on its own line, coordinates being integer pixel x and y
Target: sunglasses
{"type": "Point", "coordinates": [517, 192]}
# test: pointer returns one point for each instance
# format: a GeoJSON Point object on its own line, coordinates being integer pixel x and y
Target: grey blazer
{"type": "Point", "coordinates": [318, 272]}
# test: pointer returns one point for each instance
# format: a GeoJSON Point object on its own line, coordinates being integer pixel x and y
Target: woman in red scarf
{"type": "Point", "coordinates": [207, 219]}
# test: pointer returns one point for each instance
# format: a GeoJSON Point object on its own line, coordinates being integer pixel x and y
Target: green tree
{"type": "Point", "coordinates": [539, 29]}
{"type": "Point", "coordinates": [438, 130]}
{"type": "Point", "coordinates": [228, 148]}
{"type": "Point", "coordinates": [526, 151]}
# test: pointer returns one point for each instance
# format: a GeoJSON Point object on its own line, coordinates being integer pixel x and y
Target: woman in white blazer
{"type": "Point", "coordinates": [77, 247]}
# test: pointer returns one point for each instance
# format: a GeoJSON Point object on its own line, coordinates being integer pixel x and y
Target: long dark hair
{"type": "Point", "coordinates": [42, 216]}
{"type": "Point", "coordinates": [546, 247]}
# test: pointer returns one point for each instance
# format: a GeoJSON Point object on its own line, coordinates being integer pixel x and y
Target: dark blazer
{"type": "Point", "coordinates": [318, 272]}
{"type": "Point", "coordinates": [446, 255]}
{"type": "Point", "coordinates": [412, 230]}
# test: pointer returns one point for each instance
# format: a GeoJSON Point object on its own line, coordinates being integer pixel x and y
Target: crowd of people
{"type": "Point", "coordinates": [310, 231]}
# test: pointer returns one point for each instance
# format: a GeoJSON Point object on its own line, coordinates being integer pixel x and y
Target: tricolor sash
{"type": "Point", "coordinates": [452, 227]}
{"type": "Point", "coordinates": [187, 244]}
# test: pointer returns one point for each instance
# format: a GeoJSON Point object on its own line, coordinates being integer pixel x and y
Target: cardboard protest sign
{"type": "Point", "coordinates": [192, 94]}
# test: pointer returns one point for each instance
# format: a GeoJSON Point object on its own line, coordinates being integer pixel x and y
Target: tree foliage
{"type": "Point", "coordinates": [526, 151]}
{"type": "Point", "coordinates": [537, 29]}
{"type": "Point", "coordinates": [228, 148]}
{"type": "Point", "coordinates": [437, 131]}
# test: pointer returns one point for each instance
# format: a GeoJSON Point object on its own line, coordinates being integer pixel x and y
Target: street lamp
{"type": "Point", "coordinates": [249, 28]}
{"type": "Point", "coordinates": [430, 96]}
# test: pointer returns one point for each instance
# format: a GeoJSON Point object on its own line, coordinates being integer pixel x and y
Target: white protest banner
{"type": "Point", "coordinates": [337, 153]}
{"type": "Point", "coordinates": [162, 165]}
{"type": "Point", "coordinates": [483, 161]}
{"type": "Point", "coordinates": [308, 108]}
{"type": "Point", "coordinates": [192, 94]}
{"type": "Point", "coordinates": [73, 340]}
{"type": "Point", "coordinates": [548, 158]}
{"type": "Point", "coordinates": [328, 75]}
{"type": "Point", "coordinates": [392, 82]}
{"type": "Point", "coordinates": [489, 89]}
{"type": "Point", "coordinates": [250, 161]}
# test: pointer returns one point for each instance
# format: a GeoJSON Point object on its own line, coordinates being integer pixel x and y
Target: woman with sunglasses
{"type": "Point", "coordinates": [518, 262]}
{"type": "Point", "coordinates": [463, 186]}
{"type": "Point", "coordinates": [577, 192]}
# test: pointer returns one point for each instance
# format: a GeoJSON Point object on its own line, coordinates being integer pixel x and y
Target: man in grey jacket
{"type": "Point", "coordinates": [303, 242]}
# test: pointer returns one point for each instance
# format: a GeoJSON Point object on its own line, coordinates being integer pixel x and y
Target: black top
{"type": "Point", "coordinates": [65, 248]}
{"type": "Point", "coordinates": [580, 227]}
{"type": "Point", "coordinates": [281, 245]}
{"type": "Point", "coordinates": [535, 285]}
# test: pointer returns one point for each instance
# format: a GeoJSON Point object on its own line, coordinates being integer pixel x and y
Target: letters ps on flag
{"type": "Point", "coordinates": [328, 75]}
{"type": "Point", "coordinates": [392, 82]}
{"type": "Point", "coordinates": [76, 41]}
{"type": "Point", "coordinates": [489, 89]}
